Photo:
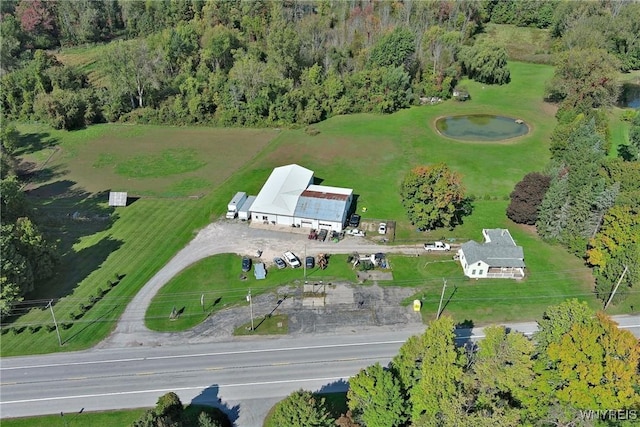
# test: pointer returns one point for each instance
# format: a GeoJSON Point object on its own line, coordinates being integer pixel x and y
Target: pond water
{"type": "Point", "coordinates": [481, 127]}
{"type": "Point", "coordinates": [629, 96]}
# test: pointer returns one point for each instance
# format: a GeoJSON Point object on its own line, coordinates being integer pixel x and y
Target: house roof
{"type": "Point", "coordinates": [493, 255]}
{"type": "Point", "coordinates": [281, 191]}
{"type": "Point", "coordinates": [498, 250]}
{"type": "Point", "coordinates": [499, 236]}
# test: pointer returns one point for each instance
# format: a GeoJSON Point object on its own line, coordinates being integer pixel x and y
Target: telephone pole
{"type": "Point", "coordinates": [616, 288]}
{"type": "Point", "coordinates": [250, 307]}
{"type": "Point", "coordinates": [54, 321]}
{"type": "Point", "coordinates": [444, 286]}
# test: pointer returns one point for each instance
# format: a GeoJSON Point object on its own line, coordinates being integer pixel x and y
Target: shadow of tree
{"type": "Point", "coordinates": [463, 331]}
{"type": "Point", "coordinates": [339, 386]}
{"type": "Point", "coordinates": [74, 267]}
{"type": "Point", "coordinates": [32, 142]}
{"type": "Point", "coordinates": [210, 397]}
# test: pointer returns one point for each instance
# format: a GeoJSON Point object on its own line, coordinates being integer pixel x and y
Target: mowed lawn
{"type": "Point", "coordinates": [369, 153]}
{"type": "Point", "coordinates": [98, 243]}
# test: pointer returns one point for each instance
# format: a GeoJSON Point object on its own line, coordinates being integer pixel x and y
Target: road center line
{"type": "Point", "coordinates": [174, 389]}
{"type": "Point", "coordinates": [182, 356]}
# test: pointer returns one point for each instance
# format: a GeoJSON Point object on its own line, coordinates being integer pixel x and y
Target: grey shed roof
{"type": "Point", "coordinates": [117, 198]}
{"type": "Point", "coordinates": [322, 206]}
{"type": "Point", "coordinates": [259, 271]}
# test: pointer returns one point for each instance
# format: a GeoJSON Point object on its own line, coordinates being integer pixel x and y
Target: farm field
{"type": "Point", "coordinates": [164, 166]}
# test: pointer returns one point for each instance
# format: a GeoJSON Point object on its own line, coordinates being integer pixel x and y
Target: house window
{"type": "Point", "coordinates": [265, 218]}
{"type": "Point", "coordinates": [478, 264]}
{"type": "Point", "coordinates": [473, 272]}
{"type": "Point", "coordinates": [480, 273]}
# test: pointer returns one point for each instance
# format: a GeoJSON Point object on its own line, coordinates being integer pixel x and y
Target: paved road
{"type": "Point", "coordinates": [248, 376]}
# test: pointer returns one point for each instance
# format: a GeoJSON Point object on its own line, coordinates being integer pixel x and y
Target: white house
{"type": "Point", "coordinates": [497, 257]}
{"type": "Point", "coordinates": [289, 198]}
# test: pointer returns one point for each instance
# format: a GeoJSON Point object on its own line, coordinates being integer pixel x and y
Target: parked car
{"type": "Point", "coordinates": [356, 232]}
{"type": "Point", "coordinates": [246, 264]}
{"type": "Point", "coordinates": [310, 262]}
{"type": "Point", "coordinates": [279, 262]}
{"type": "Point", "coordinates": [382, 228]}
{"type": "Point", "coordinates": [322, 235]}
{"type": "Point", "coordinates": [291, 259]}
{"type": "Point", "coordinates": [354, 221]}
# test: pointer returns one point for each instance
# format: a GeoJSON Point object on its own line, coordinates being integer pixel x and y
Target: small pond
{"type": "Point", "coordinates": [481, 127]}
{"type": "Point", "coordinates": [629, 96]}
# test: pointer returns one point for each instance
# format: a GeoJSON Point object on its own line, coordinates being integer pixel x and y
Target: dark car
{"type": "Point", "coordinates": [310, 262]}
{"type": "Point", "coordinates": [354, 221]}
{"type": "Point", "coordinates": [246, 264]}
{"type": "Point", "coordinates": [279, 262]}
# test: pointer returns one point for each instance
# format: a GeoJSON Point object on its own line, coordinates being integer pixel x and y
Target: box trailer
{"type": "Point", "coordinates": [244, 213]}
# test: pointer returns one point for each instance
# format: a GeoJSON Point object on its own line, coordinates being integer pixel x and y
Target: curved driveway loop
{"type": "Point", "coordinates": [225, 237]}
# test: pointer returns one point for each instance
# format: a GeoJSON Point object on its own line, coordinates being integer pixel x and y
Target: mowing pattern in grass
{"type": "Point", "coordinates": [169, 162]}
{"type": "Point", "coordinates": [220, 279]}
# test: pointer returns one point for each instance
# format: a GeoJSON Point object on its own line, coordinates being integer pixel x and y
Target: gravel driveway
{"type": "Point", "coordinates": [375, 304]}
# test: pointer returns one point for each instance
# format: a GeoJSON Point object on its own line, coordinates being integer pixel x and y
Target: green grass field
{"type": "Point", "coordinates": [369, 153]}
{"type": "Point", "coordinates": [91, 419]}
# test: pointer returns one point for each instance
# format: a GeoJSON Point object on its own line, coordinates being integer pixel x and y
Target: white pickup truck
{"type": "Point", "coordinates": [355, 232]}
{"type": "Point", "coordinates": [437, 246]}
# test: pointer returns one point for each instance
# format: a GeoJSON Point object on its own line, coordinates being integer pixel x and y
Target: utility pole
{"type": "Point", "coordinates": [616, 288]}
{"type": "Point", "coordinates": [54, 321]}
{"type": "Point", "coordinates": [444, 286]}
{"type": "Point", "coordinates": [250, 307]}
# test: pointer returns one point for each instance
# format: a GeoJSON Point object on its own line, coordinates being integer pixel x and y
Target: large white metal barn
{"type": "Point", "coordinates": [290, 198]}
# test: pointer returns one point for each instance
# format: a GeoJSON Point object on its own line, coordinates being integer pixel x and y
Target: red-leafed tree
{"type": "Point", "coordinates": [38, 20]}
{"type": "Point", "coordinates": [526, 198]}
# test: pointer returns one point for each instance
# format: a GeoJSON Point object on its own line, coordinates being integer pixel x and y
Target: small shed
{"type": "Point", "coordinates": [117, 198]}
{"type": "Point", "coordinates": [259, 271]}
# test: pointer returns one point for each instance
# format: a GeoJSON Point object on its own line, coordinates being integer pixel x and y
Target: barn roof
{"type": "Point", "coordinates": [281, 191]}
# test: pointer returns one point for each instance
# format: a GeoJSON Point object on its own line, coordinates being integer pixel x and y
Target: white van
{"type": "Point", "coordinates": [291, 259]}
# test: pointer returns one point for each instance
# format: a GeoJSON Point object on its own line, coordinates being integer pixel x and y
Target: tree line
{"type": "Point", "coordinates": [236, 63]}
{"type": "Point", "coordinates": [578, 361]}
{"type": "Point", "coordinates": [586, 199]}
{"type": "Point", "coordinates": [27, 256]}
{"type": "Point", "coordinates": [261, 63]}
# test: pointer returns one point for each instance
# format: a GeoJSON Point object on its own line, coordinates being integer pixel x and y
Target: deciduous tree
{"type": "Point", "coordinates": [134, 69]}
{"type": "Point", "coordinates": [433, 196]}
{"type": "Point", "coordinates": [585, 78]}
{"type": "Point", "coordinates": [302, 409]}
{"type": "Point", "coordinates": [441, 371]}
{"type": "Point", "coordinates": [597, 364]}
{"type": "Point", "coordinates": [527, 197]}
{"type": "Point", "coordinates": [375, 398]}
